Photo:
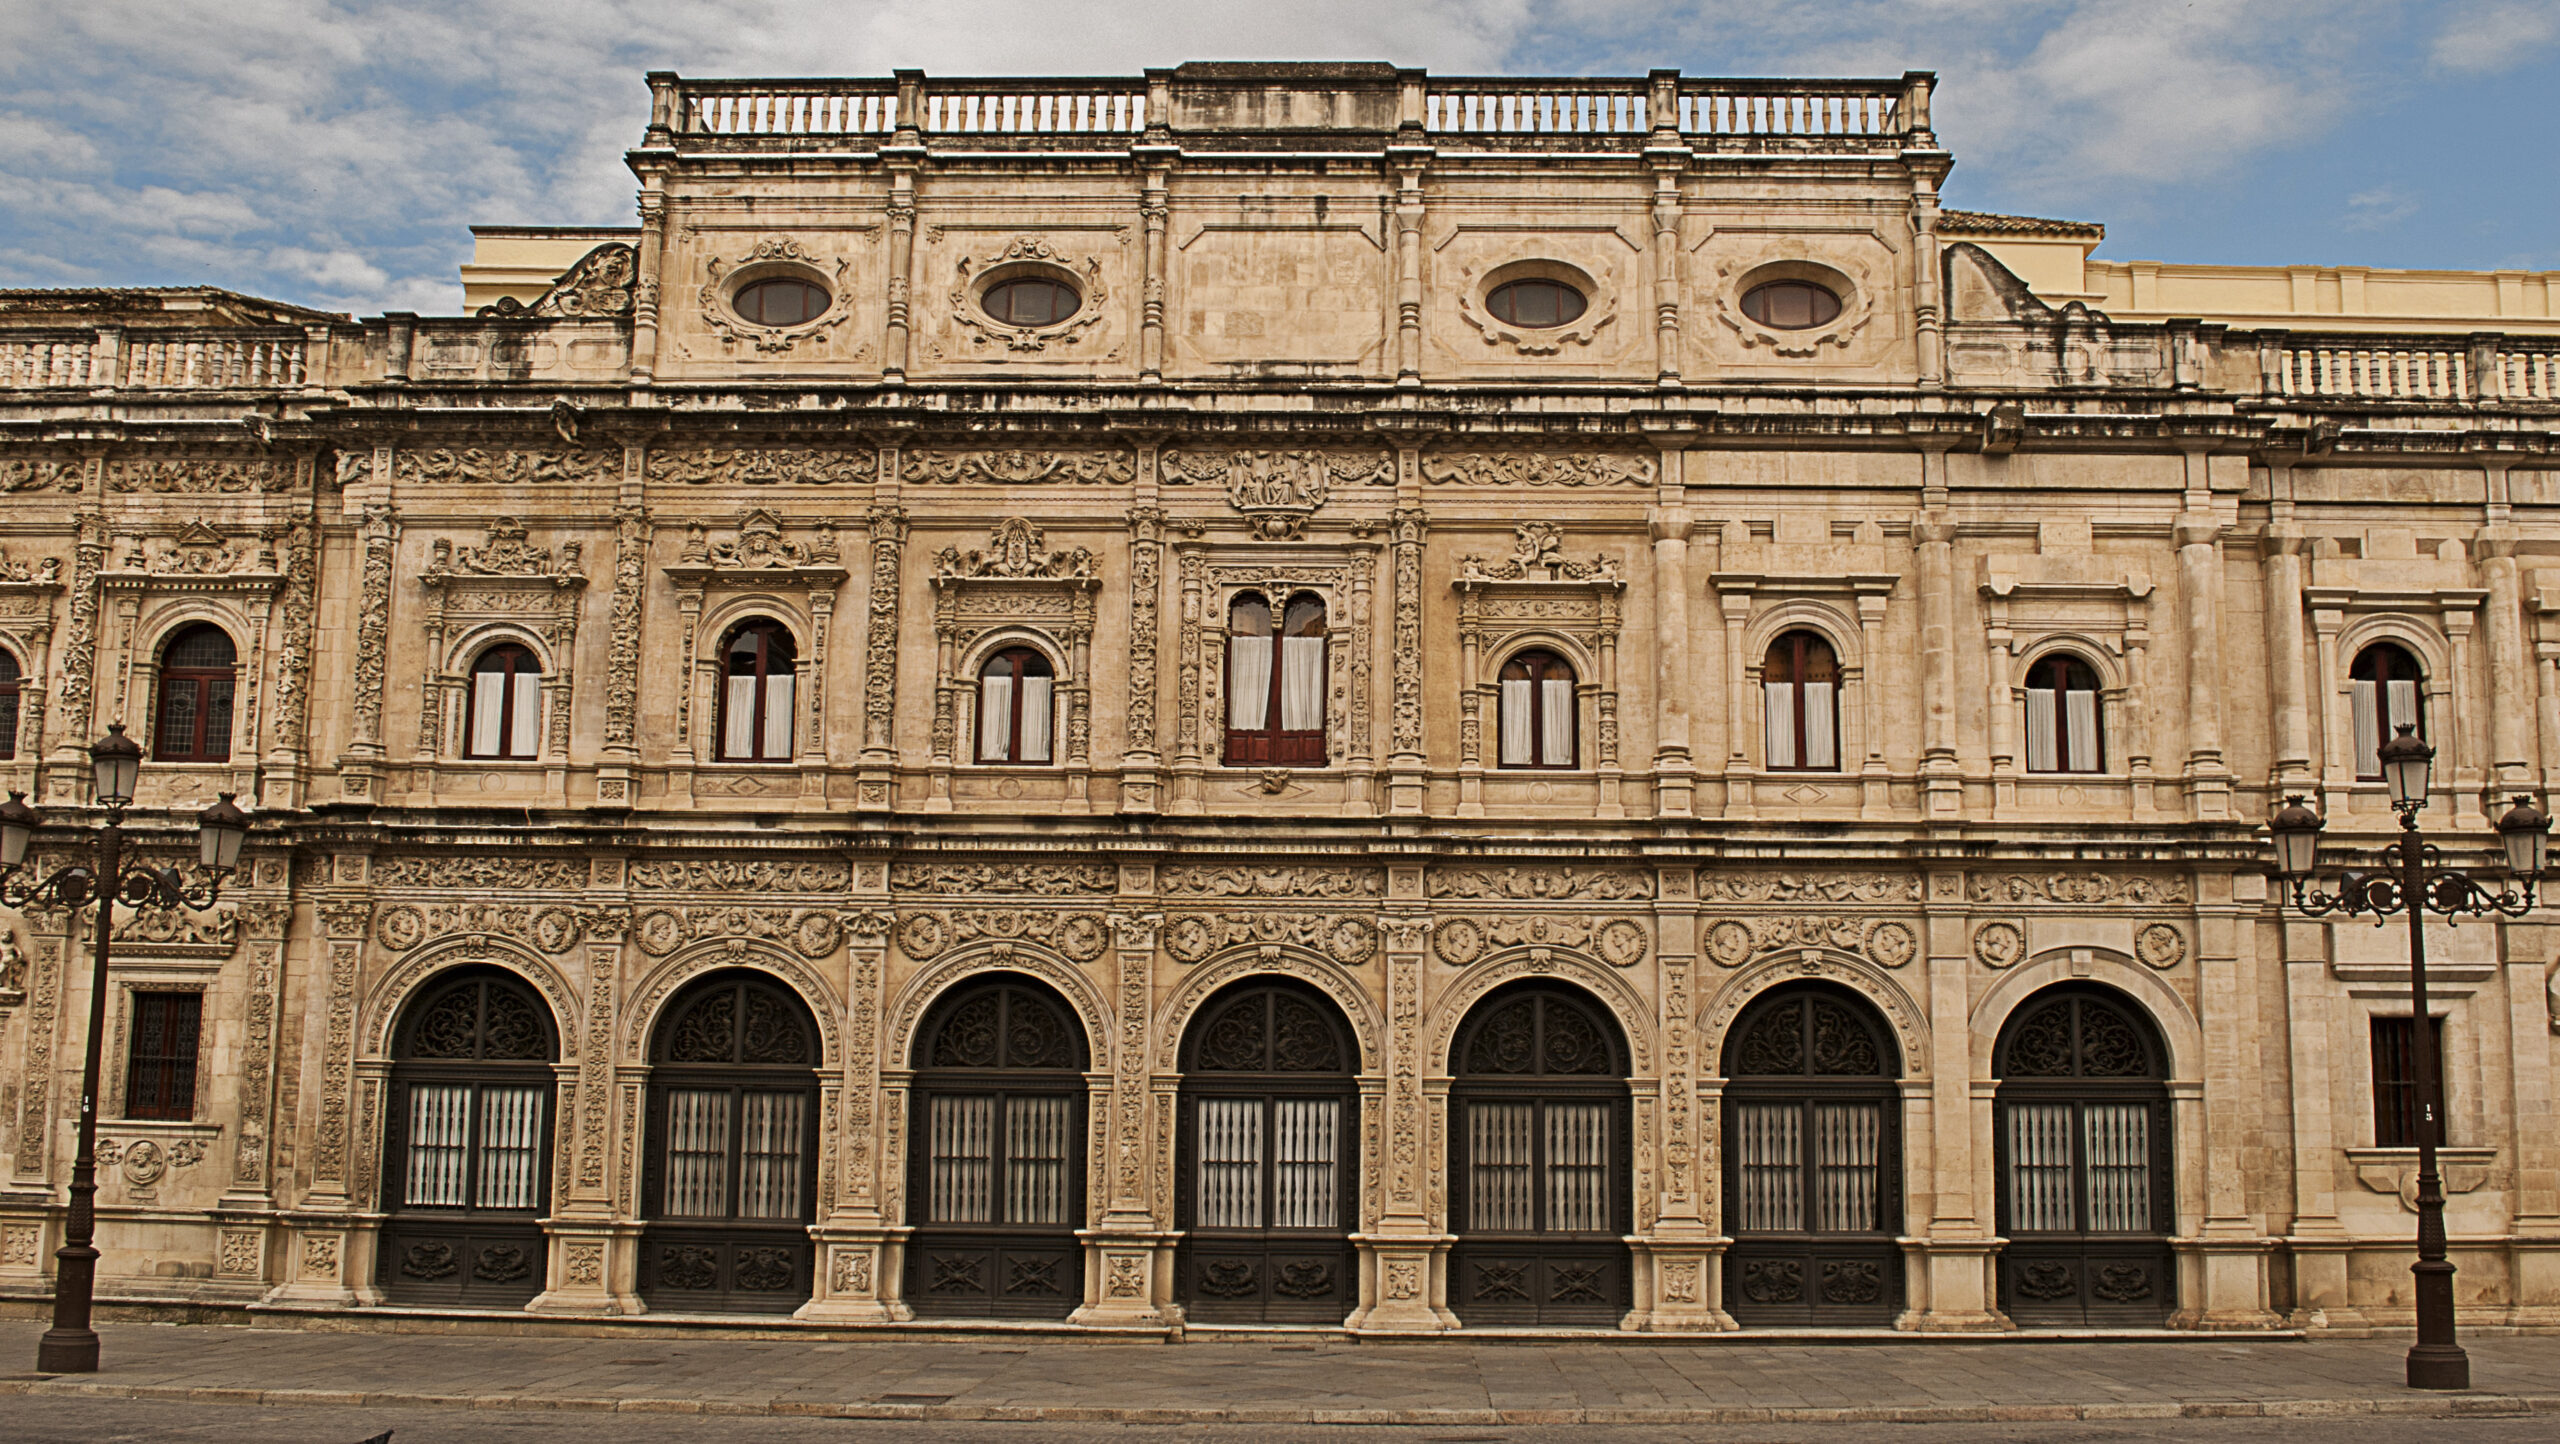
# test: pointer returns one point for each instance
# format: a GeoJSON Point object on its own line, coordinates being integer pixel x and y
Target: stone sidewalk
{"type": "Point", "coordinates": [1321, 1381]}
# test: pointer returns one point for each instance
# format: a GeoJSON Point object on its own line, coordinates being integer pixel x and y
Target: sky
{"type": "Point", "coordinates": [335, 152]}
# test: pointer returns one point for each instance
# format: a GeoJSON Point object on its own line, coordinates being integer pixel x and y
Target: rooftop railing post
{"type": "Point", "coordinates": [1662, 107]}
{"type": "Point", "coordinates": [662, 110]}
{"type": "Point", "coordinates": [1916, 85]}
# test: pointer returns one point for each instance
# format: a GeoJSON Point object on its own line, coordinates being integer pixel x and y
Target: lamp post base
{"type": "Point", "coordinates": [2439, 1366]}
{"type": "Point", "coordinates": [68, 1351]}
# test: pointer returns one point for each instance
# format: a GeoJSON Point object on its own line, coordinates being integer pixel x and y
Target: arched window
{"type": "Point", "coordinates": [198, 671]}
{"type": "Point", "coordinates": [732, 1174]}
{"type": "Point", "coordinates": [1267, 1184]}
{"type": "Point", "coordinates": [757, 664]}
{"type": "Point", "coordinates": [1540, 1206]}
{"type": "Point", "coordinates": [2062, 716]}
{"type": "Point", "coordinates": [997, 1181]}
{"type": "Point", "coordinates": [1813, 1187]}
{"type": "Point", "coordinates": [2390, 692]}
{"type": "Point", "coordinates": [1537, 711]}
{"type": "Point", "coordinates": [1015, 689]}
{"type": "Point", "coordinates": [10, 677]}
{"type": "Point", "coordinates": [466, 1174]}
{"type": "Point", "coordinates": [1275, 683]}
{"type": "Point", "coordinates": [1801, 682]}
{"type": "Point", "coordinates": [506, 704]}
{"type": "Point", "coordinates": [2082, 1147]}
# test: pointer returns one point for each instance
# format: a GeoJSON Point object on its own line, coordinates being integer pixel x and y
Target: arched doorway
{"type": "Point", "coordinates": [1539, 1198]}
{"type": "Point", "coordinates": [1812, 1146]}
{"type": "Point", "coordinates": [466, 1173]}
{"type": "Point", "coordinates": [1268, 1167]}
{"type": "Point", "coordinates": [732, 1182]}
{"type": "Point", "coordinates": [2081, 1143]}
{"type": "Point", "coordinates": [997, 1166]}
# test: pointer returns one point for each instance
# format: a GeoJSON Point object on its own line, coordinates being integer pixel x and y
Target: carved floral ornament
{"type": "Point", "coordinates": [1732, 942]}
{"type": "Point", "coordinates": [199, 549]}
{"type": "Point", "coordinates": [1536, 468]}
{"type": "Point", "coordinates": [1278, 490]}
{"type": "Point", "coordinates": [506, 466]}
{"type": "Point", "coordinates": [598, 285]}
{"type": "Point", "coordinates": [1619, 942]}
{"type": "Point", "coordinates": [1015, 550]}
{"type": "Point", "coordinates": [759, 466]}
{"type": "Point", "coordinates": [1549, 884]}
{"type": "Point", "coordinates": [551, 928]}
{"type": "Point", "coordinates": [1197, 937]}
{"type": "Point", "coordinates": [506, 553]}
{"type": "Point", "coordinates": [931, 466]}
{"type": "Point", "coordinates": [1080, 937]}
{"type": "Point", "coordinates": [813, 933]}
{"type": "Point", "coordinates": [174, 476]}
{"type": "Point", "coordinates": [769, 257]}
{"type": "Point", "coordinates": [759, 546]}
{"type": "Point", "coordinates": [1537, 554]}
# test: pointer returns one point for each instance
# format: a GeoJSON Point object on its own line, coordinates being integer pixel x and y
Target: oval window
{"type": "Point", "coordinates": [1535, 303]}
{"type": "Point", "coordinates": [1031, 301]}
{"type": "Point", "coordinates": [1791, 305]}
{"type": "Point", "coordinates": [781, 301]}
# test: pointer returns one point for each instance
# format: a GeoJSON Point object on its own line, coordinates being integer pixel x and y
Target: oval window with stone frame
{"type": "Point", "coordinates": [1791, 305]}
{"type": "Point", "coordinates": [781, 301]}
{"type": "Point", "coordinates": [1535, 303]}
{"type": "Point", "coordinates": [1031, 301]}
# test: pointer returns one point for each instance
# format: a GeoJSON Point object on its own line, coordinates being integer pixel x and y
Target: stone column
{"type": "Point", "coordinates": [1669, 158]}
{"type": "Point", "coordinates": [1187, 763]}
{"type": "Point", "coordinates": [1139, 758]}
{"type": "Point", "coordinates": [2283, 546]}
{"type": "Point", "coordinates": [1934, 535]}
{"type": "Point", "coordinates": [1928, 166]}
{"type": "Point", "coordinates": [2511, 687]}
{"type": "Point", "coordinates": [2199, 534]}
{"type": "Point", "coordinates": [1404, 1250]}
{"type": "Point", "coordinates": [1740, 802]}
{"type": "Point", "coordinates": [905, 149]}
{"type": "Point", "coordinates": [1153, 211]}
{"type": "Point", "coordinates": [1409, 270]}
{"type": "Point", "coordinates": [1670, 523]}
{"type": "Point", "coordinates": [285, 778]}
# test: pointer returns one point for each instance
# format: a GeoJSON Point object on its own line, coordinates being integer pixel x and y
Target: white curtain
{"type": "Point", "coordinates": [1301, 684]}
{"type": "Point", "coordinates": [738, 720]}
{"type": "Point", "coordinates": [2080, 712]}
{"type": "Point", "coordinates": [1577, 1167]}
{"type": "Point", "coordinates": [527, 726]}
{"type": "Point", "coordinates": [1844, 1165]}
{"type": "Point", "coordinates": [1781, 700]}
{"type": "Point", "coordinates": [2119, 1144]}
{"type": "Point", "coordinates": [1230, 1162]}
{"type": "Point", "coordinates": [488, 707]}
{"type": "Point", "coordinates": [1768, 1148]}
{"type": "Point", "coordinates": [961, 1166]}
{"type": "Point", "coordinates": [2041, 733]}
{"type": "Point", "coordinates": [1249, 687]}
{"type": "Point", "coordinates": [769, 1163]}
{"type": "Point", "coordinates": [2403, 700]}
{"type": "Point", "coordinates": [1036, 692]}
{"type": "Point", "coordinates": [439, 1120]}
{"type": "Point", "coordinates": [1515, 722]}
{"type": "Point", "coordinates": [697, 1152]}
{"type": "Point", "coordinates": [1303, 1149]}
{"type": "Point", "coordinates": [1557, 695]}
{"type": "Point", "coordinates": [2040, 1167]}
{"type": "Point", "coordinates": [777, 718]}
{"type": "Point", "coordinates": [510, 1153]}
{"type": "Point", "coordinates": [1500, 1158]}
{"type": "Point", "coordinates": [1820, 730]}
{"type": "Point", "coordinates": [1036, 1159]}
{"type": "Point", "coordinates": [995, 716]}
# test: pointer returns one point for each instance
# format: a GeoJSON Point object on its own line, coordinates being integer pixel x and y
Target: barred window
{"type": "Point", "coordinates": [160, 1065]}
{"type": "Point", "coordinates": [198, 673]}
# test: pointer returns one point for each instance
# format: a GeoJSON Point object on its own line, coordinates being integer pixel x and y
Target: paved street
{"type": "Point", "coordinates": [343, 1386]}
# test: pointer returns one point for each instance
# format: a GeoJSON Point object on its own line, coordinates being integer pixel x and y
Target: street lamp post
{"type": "Point", "coordinates": [2415, 881]}
{"type": "Point", "coordinates": [71, 1346]}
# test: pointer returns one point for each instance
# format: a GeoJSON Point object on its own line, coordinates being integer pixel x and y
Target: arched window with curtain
{"type": "Point", "coordinates": [1016, 690]}
{"type": "Point", "coordinates": [2062, 716]}
{"type": "Point", "coordinates": [2082, 1148]}
{"type": "Point", "coordinates": [1275, 682]}
{"type": "Point", "coordinates": [2390, 692]}
{"type": "Point", "coordinates": [758, 665]}
{"type": "Point", "coordinates": [1537, 723]}
{"type": "Point", "coordinates": [465, 1176]}
{"type": "Point", "coordinates": [1801, 682]}
{"type": "Point", "coordinates": [996, 1172]}
{"type": "Point", "coordinates": [199, 671]}
{"type": "Point", "coordinates": [10, 680]}
{"type": "Point", "coordinates": [1813, 1186]}
{"type": "Point", "coordinates": [506, 704]}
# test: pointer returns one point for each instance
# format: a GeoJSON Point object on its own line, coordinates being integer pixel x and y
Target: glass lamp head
{"type": "Point", "coordinates": [2526, 834]}
{"type": "Point", "coordinates": [2296, 829]}
{"type": "Point", "coordinates": [220, 829]}
{"type": "Point", "coordinates": [2406, 761]}
{"type": "Point", "coordinates": [18, 824]}
{"type": "Point", "coordinates": [115, 764]}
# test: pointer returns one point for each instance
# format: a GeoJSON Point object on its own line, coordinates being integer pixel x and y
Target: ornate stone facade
{"type": "Point", "coordinates": [1316, 400]}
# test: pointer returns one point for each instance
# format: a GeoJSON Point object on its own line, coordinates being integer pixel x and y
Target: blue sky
{"type": "Point", "coordinates": [334, 152]}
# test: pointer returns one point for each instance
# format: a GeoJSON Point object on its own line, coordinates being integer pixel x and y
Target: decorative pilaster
{"type": "Point", "coordinates": [1409, 272]}
{"type": "Point", "coordinates": [1408, 776]}
{"type": "Point", "coordinates": [902, 247]}
{"type": "Point", "coordinates": [876, 782]}
{"type": "Point", "coordinates": [2199, 539]}
{"type": "Point", "coordinates": [2511, 688]}
{"type": "Point", "coordinates": [266, 922]}
{"type": "Point", "coordinates": [1187, 765]}
{"type": "Point", "coordinates": [289, 760]}
{"type": "Point", "coordinates": [1934, 535]}
{"type": "Point", "coordinates": [359, 768]}
{"type": "Point", "coordinates": [66, 773]}
{"type": "Point", "coordinates": [1153, 212]}
{"type": "Point", "coordinates": [1674, 778]}
{"type": "Point", "coordinates": [329, 1257]}
{"type": "Point", "coordinates": [2283, 545]}
{"type": "Point", "coordinates": [1404, 1250]}
{"type": "Point", "coordinates": [1669, 158]}
{"type": "Point", "coordinates": [1129, 1253]}
{"type": "Point", "coordinates": [1138, 758]}
{"type": "Point", "coordinates": [853, 1244]}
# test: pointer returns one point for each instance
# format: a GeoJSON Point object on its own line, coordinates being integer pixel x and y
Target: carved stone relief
{"type": "Point", "coordinates": [1196, 937]}
{"type": "Point", "coordinates": [1249, 881]}
{"type": "Point", "coordinates": [1278, 490]}
{"type": "Point", "coordinates": [1535, 883]}
{"type": "Point", "coordinates": [924, 936]}
{"type": "Point", "coordinates": [1620, 942]}
{"type": "Point", "coordinates": [1808, 887]}
{"type": "Point", "coordinates": [749, 466]}
{"type": "Point", "coordinates": [1036, 879]}
{"type": "Point", "coordinates": [506, 466]}
{"type": "Point", "coordinates": [1536, 468]}
{"type": "Point", "coordinates": [1732, 942]}
{"type": "Point", "coordinates": [2079, 889]}
{"type": "Point", "coordinates": [931, 466]}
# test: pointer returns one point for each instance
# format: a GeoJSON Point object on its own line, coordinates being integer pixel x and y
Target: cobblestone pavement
{"type": "Point", "coordinates": [1467, 1385]}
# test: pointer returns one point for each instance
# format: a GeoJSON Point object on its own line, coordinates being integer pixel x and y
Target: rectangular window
{"type": "Point", "coordinates": [1301, 684]}
{"type": "Point", "coordinates": [510, 1146]}
{"type": "Point", "coordinates": [697, 1152]}
{"type": "Point", "coordinates": [1501, 1143]}
{"type": "Point", "coordinates": [1249, 693]}
{"type": "Point", "coordinates": [1577, 1167]}
{"type": "Point", "coordinates": [1768, 1155]}
{"type": "Point", "coordinates": [160, 1068]}
{"type": "Point", "coordinates": [1230, 1163]}
{"type": "Point", "coordinates": [8, 722]}
{"type": "Point", "coordinates": [1845, 1159]}
{"type": "Point", "coordinates": [1036, 692]}
{"type": "Point", "coordinates": [439, 1144]}
{"type": "Point", "coordinates": [1302, 1161]}
{"type": "Point", "coordinates": [2396, 1117]}
{"type": "Point", "coordinates": [2040, 1168]}
{"type": "Point", "coordinates": [777, 719]}
{"type": "Point", "coordinates": [769, 1128]}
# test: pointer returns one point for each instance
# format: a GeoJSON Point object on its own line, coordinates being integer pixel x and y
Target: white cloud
{"type": "Point", "coordinates": [2485, 38]}
{"type": "Point", "coordinates": [2378, 209]}
{"type": "Point", "coordinates": [336, 150]}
